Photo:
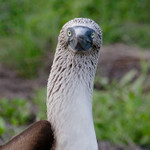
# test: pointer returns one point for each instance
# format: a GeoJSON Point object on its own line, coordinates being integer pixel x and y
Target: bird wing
{"type": "Point", "coordinates": [38, 136]}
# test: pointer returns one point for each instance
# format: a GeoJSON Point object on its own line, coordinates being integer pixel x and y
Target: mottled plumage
{"type": "Point", "coordinates": [70, 87]}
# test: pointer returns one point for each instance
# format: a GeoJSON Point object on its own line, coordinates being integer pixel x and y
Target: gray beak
{"type": "Point", "coordinates": [80, 39]}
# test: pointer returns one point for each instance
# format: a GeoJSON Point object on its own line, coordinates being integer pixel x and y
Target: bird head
{"type": "Point", "coordinates": [81, 35]}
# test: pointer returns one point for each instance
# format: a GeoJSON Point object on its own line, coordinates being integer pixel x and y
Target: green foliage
{"type": "Point", "coordinates": [40, 101]}
{"type": "Point", "coordinates": [121, 112]}
{"type": "Point", "coordinates": [2, 126]}
{"type": "Point", "coordinates": [13, 114]}
{"type": "Point", "coordinates": [14, 111]}
{"type": "Point", "coordinates": [28, 29]}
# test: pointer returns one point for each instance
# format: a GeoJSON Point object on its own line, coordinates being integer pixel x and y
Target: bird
{"type": "Point", "coordinates": [69, 124]}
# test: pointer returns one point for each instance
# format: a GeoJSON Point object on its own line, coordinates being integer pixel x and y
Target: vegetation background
{"type": "Point", "coordinates": [28, 37]}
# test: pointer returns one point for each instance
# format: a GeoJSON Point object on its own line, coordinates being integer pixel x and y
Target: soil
{"type": "Point", "coordinates": [12, 86]}
{"type": "Point", "coordinates": [115, 60]}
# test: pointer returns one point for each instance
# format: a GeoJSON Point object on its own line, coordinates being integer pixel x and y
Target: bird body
{"type": "Point", "coordinates": [70, 88]}
{"type": "Point", "coordinates": [72, 120]}
{"type": "Point", "coordinates": [69, 93]}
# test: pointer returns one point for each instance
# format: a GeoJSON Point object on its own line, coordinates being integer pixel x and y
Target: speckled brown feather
{"type": "Point", "coordinates": [38, 136]}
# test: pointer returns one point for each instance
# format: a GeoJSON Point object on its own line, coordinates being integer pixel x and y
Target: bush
{"type": "Point", "coordinates": [122, 112]}
{"type": "Point", "coordinates": [16, 111]}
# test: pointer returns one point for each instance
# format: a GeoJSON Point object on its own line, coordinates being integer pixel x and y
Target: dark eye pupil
{"type": "Point", "coordinates": [69, 33]}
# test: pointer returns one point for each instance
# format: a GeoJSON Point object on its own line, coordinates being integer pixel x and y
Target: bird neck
{"type": "Point", "coordinates": [69, 101]}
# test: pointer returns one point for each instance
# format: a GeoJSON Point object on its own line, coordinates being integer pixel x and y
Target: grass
{"type": "Point", "coordinates": [121, 111]}
{"type": "Point", "coordinates": [40, 101]}
{"type": "Point", "coordinates": [13, 114]}
{"type": "Point", "coordinates": [29, 29]}
{"type": "Point", "coordinates": [9, 110]}
{"type": "Point", "coordinates": [122, 118]}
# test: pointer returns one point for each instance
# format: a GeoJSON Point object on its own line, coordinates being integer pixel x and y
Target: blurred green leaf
{"type": "Point", "coordinates": [2, 126]}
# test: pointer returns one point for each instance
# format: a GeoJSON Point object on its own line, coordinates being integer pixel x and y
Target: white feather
{"type": "Point", "coordinates": [69, 93]}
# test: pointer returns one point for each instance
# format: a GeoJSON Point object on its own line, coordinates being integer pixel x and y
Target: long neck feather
{"type": "Point", "coordinates": [69, 99]}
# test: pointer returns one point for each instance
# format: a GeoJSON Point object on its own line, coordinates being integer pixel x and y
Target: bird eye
{"type": "Point", "coordinates": [93, 35]}
{"type": "Point", "coordinates": [69, 33]}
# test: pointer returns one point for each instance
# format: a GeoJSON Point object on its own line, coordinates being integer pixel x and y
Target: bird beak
{"type": "Point", "coordinates": [81, 40]}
